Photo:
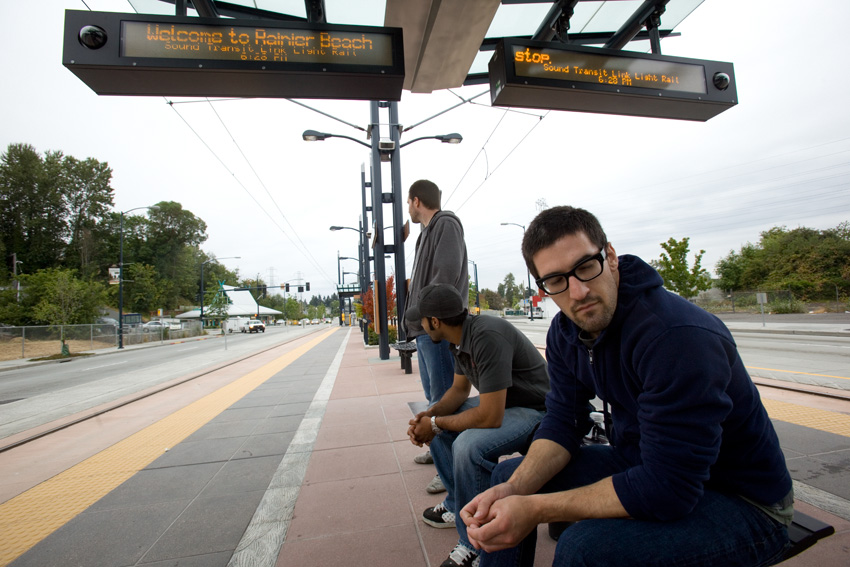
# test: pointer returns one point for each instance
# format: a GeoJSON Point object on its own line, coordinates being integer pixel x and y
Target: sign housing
{"type": "Point", "coordinates": [557, 76]}
{"type": "Point", "coordinates": [140, 54]}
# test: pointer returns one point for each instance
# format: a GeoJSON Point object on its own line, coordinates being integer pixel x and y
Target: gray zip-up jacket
{"type": "Point", "coordinates": [440, 258]}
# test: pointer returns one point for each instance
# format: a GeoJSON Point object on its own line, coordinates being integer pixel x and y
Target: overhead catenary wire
{"type": "Point", "coordinates": [498, 165]}
{"type": "Point", "coordinates": [306, 253]}
{"type": "Point", "coordinates": [306, 250]}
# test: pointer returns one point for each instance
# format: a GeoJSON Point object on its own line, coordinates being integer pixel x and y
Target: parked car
{"type": "Point", "coordinates": [154, 326]}
{"type": "Point", "coordinates": [107, 321]}
{"type": "Point", "coordinates": [314, 322]}
{"type": "Point", "coordinates": [253, 326]}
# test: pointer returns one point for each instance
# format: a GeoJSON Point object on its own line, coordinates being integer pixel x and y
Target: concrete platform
{"type": "Point", "coordinates": [294, 458]}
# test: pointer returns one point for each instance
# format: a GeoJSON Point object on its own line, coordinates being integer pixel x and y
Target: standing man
{"type": "Point", "coordinates": [468, 435]}
{"type": "Point", "coordinates": [694, 474]}
{"type": "Point", "coordinates": [440, 258]}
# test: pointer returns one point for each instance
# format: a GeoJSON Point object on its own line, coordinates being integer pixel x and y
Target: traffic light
{"type": "Point", "coordinates": [287, 288]}
{"type": "Point", "coordinates": [308, 286]}
{"type": "Point", "coordinates": [300, 289]}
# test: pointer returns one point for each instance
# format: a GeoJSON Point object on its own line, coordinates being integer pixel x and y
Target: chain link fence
{"type": "Point", "coordinates": [42, 341]}
{"type": "Point", "coordinates": [778, 301]}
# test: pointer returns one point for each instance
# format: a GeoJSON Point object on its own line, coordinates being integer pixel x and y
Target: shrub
{"type": "Point", "coordinates": [392, 332]}
{"type": "Point", "coordinates": [783, 307]}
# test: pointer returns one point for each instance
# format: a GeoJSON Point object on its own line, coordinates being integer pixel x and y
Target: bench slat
{"type": "Point", "coordinates": [804, 532]}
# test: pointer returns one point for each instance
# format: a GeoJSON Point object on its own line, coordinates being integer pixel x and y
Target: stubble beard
{"type": "Point", "coordinates": [596, 320]}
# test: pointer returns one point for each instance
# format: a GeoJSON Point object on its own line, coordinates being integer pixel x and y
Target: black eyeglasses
{"type": "Point", "coordinates": [585, 271]}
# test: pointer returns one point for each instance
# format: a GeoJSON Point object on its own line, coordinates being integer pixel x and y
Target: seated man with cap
{"type": "Point", "coordinates": [467, 435]}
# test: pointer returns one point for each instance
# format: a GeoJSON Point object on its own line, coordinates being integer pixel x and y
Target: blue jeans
{"type": "Point", "coordinates": [466, 460]}
{"type": "Point", "coordinates": [436, 367]}
{"type": "Point", "coordinates": [723, 529]}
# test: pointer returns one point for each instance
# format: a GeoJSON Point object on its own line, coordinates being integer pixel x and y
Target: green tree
{"type": "Point", "coordinates": [142, 289]}
{"type": "Point", "coordinates": [218, 302]}
{"type": "Point", "coordinates": [510, 291]}
{"type": "Point", "coordinates": [730, 271]}
{"type": "Point", "coordinates": [32, 213]}
{"type": "Point", "coordinates": [88, 197]}
{"type": "Point", "coordinates": [56, 296]}
{"type": "Point", "coordinates": [813, 264]}
{"type": "Point", "coordinates": [493, 299]}
{"type": "Point", "coordinates": [172, 238]}
{"type": "Point", "coordinates": [473, 295]}
{"type": "Point", "coordinates": [292, 309]}
{"type": "Point", "coordinates": [673, 267]}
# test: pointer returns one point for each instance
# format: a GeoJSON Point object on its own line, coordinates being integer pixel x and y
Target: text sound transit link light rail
{"type": "Point", "coordinates": [130, 54]}
{"type": "Point", "coordinates": [532, 74]}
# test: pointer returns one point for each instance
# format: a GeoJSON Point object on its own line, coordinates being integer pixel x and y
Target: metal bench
{"type": "Point", "coordinates": [405, 352]}
{"type": "Point", "coordinates": [803, 533]}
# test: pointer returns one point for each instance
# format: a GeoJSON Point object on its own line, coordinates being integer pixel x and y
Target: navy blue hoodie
{"type": "Point", "coordinates": [686, 414]}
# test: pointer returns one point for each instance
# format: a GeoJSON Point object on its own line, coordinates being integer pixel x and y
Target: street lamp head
{"type": "Point", "coordinates": [335, 228]}
{"type": "Point", "coordinates": [314, 136]}
{"type": "Point", "coordinates": [453, 138]}
{"type": "Point", "coordinates": [154, 208]}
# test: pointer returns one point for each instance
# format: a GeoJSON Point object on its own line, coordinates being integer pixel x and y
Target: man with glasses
{"type": "Point", "coordinates": [694, 474]}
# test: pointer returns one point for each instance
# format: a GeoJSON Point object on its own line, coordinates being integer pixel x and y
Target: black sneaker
{"type": "Point", "coordinates": [462, 556]}
{"type": "Point", "coordinates": [439, 516]}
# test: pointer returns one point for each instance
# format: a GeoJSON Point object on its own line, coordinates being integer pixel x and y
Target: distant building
{"type": "Point", "coordinates": [242, 304]}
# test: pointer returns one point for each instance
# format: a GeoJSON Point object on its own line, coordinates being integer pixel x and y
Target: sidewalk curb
{"type": "Point", "coordinates": [31, 362]}
{"type": "Point", "coordinates": [791, 332]}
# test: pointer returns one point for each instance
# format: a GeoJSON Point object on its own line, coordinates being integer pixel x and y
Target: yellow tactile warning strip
{"type": "Point", "coordinates": [33, 515]}
{"type": "Point", "coordinates": [796, 372]}
{"type": "Point", "coordinates": [822, 420]}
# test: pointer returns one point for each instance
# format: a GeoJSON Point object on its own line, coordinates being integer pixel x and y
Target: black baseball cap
{"type": "Point", "coordinates": [437, 300]}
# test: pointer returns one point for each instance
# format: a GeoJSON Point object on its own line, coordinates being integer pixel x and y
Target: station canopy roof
{"type": "Point", "coordinates": [449, 43]}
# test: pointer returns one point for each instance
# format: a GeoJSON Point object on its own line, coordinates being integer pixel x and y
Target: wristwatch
{"type": "Point", "coordinates": [434, 427]}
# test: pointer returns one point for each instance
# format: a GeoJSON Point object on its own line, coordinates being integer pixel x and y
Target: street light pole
{"type": "Point", "coordinates": [377, 151]}
{"type": "Point", "coordinates": [477, 291]}
{"type": "Point", "coordinates": [15, 263]}
{"type": "Point", "coordinates": [341, 278]}
{"type": "Point", "coordinates": [121, 273]}
{"type": "Point", "coordinates": [530, 303]}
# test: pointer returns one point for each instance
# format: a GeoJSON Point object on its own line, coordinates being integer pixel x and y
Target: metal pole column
{"type": "Point", "coordinates": [364, 245]}
{"type": "Point", "coordinates": [121, 284]}
{"type": "Point", "coordinates": [380, 293]}
{"type": "Point", "coordinates": [377, 214]}
{"type": "Point", "coordinates": [398, 221]}
{"type": "Point", "coordinates": [202, 296]}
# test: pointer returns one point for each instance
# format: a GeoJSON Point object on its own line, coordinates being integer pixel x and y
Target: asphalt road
{"type": "Point", "coordinates": [55, 390]}
{"type": "Point", "coordinates": [806, 359]}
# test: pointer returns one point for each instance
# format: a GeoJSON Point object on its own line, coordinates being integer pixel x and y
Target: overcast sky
{"type": "Point", "coordinates": [780, 157]}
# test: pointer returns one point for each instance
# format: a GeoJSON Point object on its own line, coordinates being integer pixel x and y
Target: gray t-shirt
{"type": "Point", "coordinates": [494, 355]}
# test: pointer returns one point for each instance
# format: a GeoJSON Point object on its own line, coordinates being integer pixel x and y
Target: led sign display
{"type": "Point", "coordinates": [254, 43]}
{"type": "Point", "coordinates": [563, 77]}
{"type": "Point", "coordinates": [132, 54]}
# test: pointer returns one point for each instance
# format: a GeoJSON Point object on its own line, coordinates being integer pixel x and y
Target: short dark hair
{"type": "Point", "coordinates": [427, 192]}
{"type": "Point", "coordinates": [553, 224]}
{"type": "Point", "coordinates": [455, 321]}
